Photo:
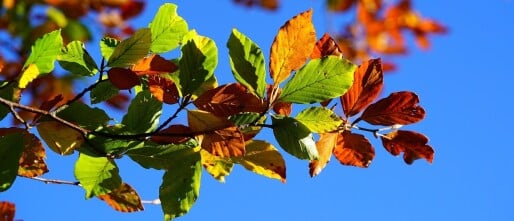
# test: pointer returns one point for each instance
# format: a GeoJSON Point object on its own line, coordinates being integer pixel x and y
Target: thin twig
{"type": "Point", "coordinates": [153, 202]}
{"type": "Point", "coordinates": [54, 181]}
{"type": "Point", "coordinates": [185, 101]}
{"type": "Point", "coordinates": [19, 118]}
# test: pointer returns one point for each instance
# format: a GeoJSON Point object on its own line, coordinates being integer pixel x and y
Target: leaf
{"type": "Point", "coordinates": [167, 28]}
{"type": "Point", "coordinates": [264, 159]}
{"type": "Point", "coordinates": [326, 46]}
{"type": "Point", "coordinates": [325, 145]}
{"type": "Point", "coordinates": [32, 161]}
{"type": "Point", "coordinates": [163, 89]}
{"type": "Point", "coordinates": [242, 119]}
{"type": "Point", "coordinates": [75, 59]}
{"type": "Point", "coordinates": [107, 46]}
{"type": "Point", "coordinates": [217, 167]}
{"type": "Point", "coordinates": [292, 46]}
{"type": "Point", "coordinates": [7, 211]}
{"type": "Point", "coordinates": [97, 175]}
{"type": "Point", "coordinates": [181, 185]}
{"type": "Point", "coordinates": [174, 134]}
{"type": "Point", "coordinates": [319, 119]}
{"type": "Point", "coordinates": [10, 93]}
{"type": "Point", "coordinates": [11, 148]}
{"type": "Point", "coordinates": [319, 80]}
{"type": "Point", "coordinates": [367, 84]}
{"type": "Point", "coordinates": [354, 150]}
{"type": "Point", "coordinates": [198, 61]}
{"type": "Point", "coordinates": [156, 156]}
{"type": "Point", "coordinates": [123, 199]}
{"type": "Point", "coordinates": [102, 92]}
{"type": "Point", "coordinates": [398, 108]}
{"type": "Point", "coordinates": [44, 52]}
{"type": "Point", "coordinates": [131, 50]}
{"type": "Point", "coordinates": [413, 145]}
{"type": "Point", "coordinates": [229, 99]}
{"type": "Point", "coordinates": [245, 120]}
{"type": "Point", "coordinates": [143, 113]}
{"type": "Point", "coordinates": [247, 63]}
{"type": "Point", "coordinates": [28, 75]}
{"type": "Point", "coordinates": [294, 137]}
{"type": "Point", "coordinates": [154, 64]}
{"type": "Point", "coordinates": [76, 111]}
{"type": "Point", "coordinates": [123, 78]}
{"type": "Point", "coordinates": [60, 138]}
{"type": "Point", "coordinates": [105, 145]}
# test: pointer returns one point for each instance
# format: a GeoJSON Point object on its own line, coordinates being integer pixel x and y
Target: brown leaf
{"type": "Point", "coordinates": [154, 64]}
{"type": "Point", "coordinates": [174, 134]}
{"type": "Point", "coordinates": [413, 144]}
{"type": "Point", "coordinates": [354, 150]}
{"type": "Point", "coordinates": [284, 108]}
{"type": "Point", "coordinates": [325, 146]}
{"type": "Point", "coordinates": [7, 211]}
{"type": "Point", "coordinates": [122, 78]}
{"type": "Point", "coordinates": [398, 108]}
{"type": "Point", "coordinates": [32, 160]}
{"type": "Point", "coordinates": [131, 9]}
{"type": "Point", "coordinates": [367, 84]}
{"type": "Point", "coordinates": [163, 89]}
{"type": "Point", "coordinates": [326, 46]}
{"type": "Point", "coordinates": [123, 199]}
{"type": "Point", "coordinates": [292, 46]}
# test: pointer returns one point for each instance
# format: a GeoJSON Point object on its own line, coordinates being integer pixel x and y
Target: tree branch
{"type": "Point", "coordinates": [53, 181]}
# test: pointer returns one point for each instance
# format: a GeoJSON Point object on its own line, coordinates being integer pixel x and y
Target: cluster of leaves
{"type": "Point", "coordinates": [379, 28]}
{"type": "Point", "coordinates": [221, 130]}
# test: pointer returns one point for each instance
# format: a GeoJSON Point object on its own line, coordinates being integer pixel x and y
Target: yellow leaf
{"type": "Point", "coordinates": [60, 138]}
{"type": "Point", "coordinates": [218, 167]}
{"type": "Point", "coordinates": [264, 159]}
{"type": "Point", "coordinates": [28, 75]}
{"type": "Point", "coordinates": [292, 46]}
{"type": "Point", "coordinates": [325, 145]}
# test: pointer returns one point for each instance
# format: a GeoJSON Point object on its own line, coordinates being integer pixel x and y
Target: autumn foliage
{"type": "Point", "coordinates": [338, 101]}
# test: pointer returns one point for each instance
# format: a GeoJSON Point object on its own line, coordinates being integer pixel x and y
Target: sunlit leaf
{"type": "Point", "coordinates": [218, 167]}
{"type": "Point", "coordinates": [123, 199]}
{"type": "Point", "coordinates": [245, 122]}
{"type": "Point", "coordinates": [32, 161]}
{"type": "Point", "coordinates": [7, 211]}
{"type": "Point", "coordinates": [157, 156]}
{"type": "Point", "coordinates": [28, 75]}
{"type": "Point", "coordinates": [325, 146]}
{"type": "Point", "coordinates": [398, 108]}
{"type": "Point", "coordinates": [107, 46]}
{"type": "Point", "coordinates": [167, 29]}
{"type": "Point", "coordinates": [264, 159]}
{"type": "Point", "coordinates": [60, 138]}
{"type": "Point", "coordinates": [326, 46]}
{"type": "Point", "coordinates": [143, 113]}
{"type": "Point", "coordinates": [131, 50]}
{"type": "Point", "coordinates": [294, 137]}
{"type": "Point", "coordinates": [154, 64]}
{"type": "Point", "coordinates": [102, 92]}
{"type": "Point", "coordinates": [367, 84]}
{"type": "Point", "coordinates": [292, 46]}
{"type": "Point", "coordinates": [319, 80]}
{"type": "Point", "coordinates": [97, 175]}
{"type": "Point", "coordinates": [76, 111]}
{"type": "Point", "coordinates": [413, 145]}
{"type": "Point", "coordinates": [319, 119]}
{"type": "Point", "coordinates": [75, 59]}
{"type": "Point", "coordinates": [163, 89]}
{"type": "Point", "coordinates": [354, 150]}
{"type": "Point", "coordinates": [44, 52]}
{"type": "Point", "coordinates": [111, 145]}
{"type": "Point", "coordinates": [11, 149]}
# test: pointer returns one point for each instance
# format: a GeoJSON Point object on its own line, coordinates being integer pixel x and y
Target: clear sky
{"type": "Point", "coordinates": [464, 83]}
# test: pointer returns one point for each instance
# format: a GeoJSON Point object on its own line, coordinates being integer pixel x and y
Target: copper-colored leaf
{"type": "Point", "coordinates": [123, 199]}
{"type": "Point", "coordinates": [413, 144]}
{"type": "Point", "coordinates": [7, 211]}
{"type": "Point", "coordinates": [174, 134]}
{"type": "Point", "coordinates": [367, 84]}
{"type": "Point", "coordinates": [326, 46]}
{"type": "Point", "coordinates": [354, 150]}
{"type": "Point", "coordinates": [325, 146]}
{"type": "Point", "coordinates": [154, 64]}
{"type": "Point", "coordinates": [398, 108]}
{"type": "Point", "coordinates": [131, 9]}
{"type": "Point", "coordinates": [229, 99]}
{"type": "Point", "coordinates": [292, 46]}
{"type": "Point", "coordinates": [123, 78]}
{"type": "Point", "coordinates": [284, 108]}
{"type": "Point", "coordinates": [32, 160]}
{"type": "Point", "coordinates": [163, 89]}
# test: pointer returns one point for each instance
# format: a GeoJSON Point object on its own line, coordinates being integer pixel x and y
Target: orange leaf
{"type": "Point", "coordinates": [354, 150]}
{"type": "Point", "coordinates": [7, 211]}
{"type": "Point", "coordinates": [122, 78]}
{"type": "Point", "coordinates": [174, 134]}
{"type": "Point", "coordinates": [326, 46]}
{"type": "Point", "coordinates": [292, 46]}
{"type": "Point", "coordinates": [32, 160]}
{"type": "Point", "coordinates": [367, 84]}
{"type": "Point", "coordinates": [123, 199]}
{"type": "Point", "coordinates": [154, 64]}
{"type": "Point", "coordinates": [325, 146]}
{"type": "Point", "coordinates": [399, 108]}
{"type": "Point", "coordinates": [413, 144]}
{"type": "Point", "coordinates": [163, 89]}
{"type": "Point", "coordinates": [229, 99]}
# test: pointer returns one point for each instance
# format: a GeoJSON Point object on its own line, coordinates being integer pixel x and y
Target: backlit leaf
{"type": "Point", "coordinates": [174, 134]}
{"type": "Point", "coordinates": [107, 46]}
{"type": "Point", "coordinates": [131, 50]}
{"type": "Point", "coordinates": [9, 92]}
{"type": "Point", "coordinates": [319, 119]}
{"type": "Point", "coordinates": [163, 89]}
{"type": "Point", "coordinates": [413, 145]}
{"type": "Point", "coordinates": [7, 211]}
{"type": "Point", "coordinates": [319, 80]}
{"type": "Point", "coordinates": [76, 111]}
{"type": "Point", "coordinates": [103, 91]}
{"type": "Point", "coordinates": [326, 46]}
{"type": "Point", "coordinates": [218, 167]}
{"type": "Point", "coordinates": [167, 29]}
{"type": "Point", "coordinates": [325, 146]}
{"type": "Point", "coordinates": [11, 148]}
{"type": "Point", "coordinates": [143, 113]}
{"type": "Point", "coordinates": [123, 78]}
{"type": "Point", "coordinates": [156, 156]}
{"type": "Point", "coordinates": [154, 64]}
{"type": "Point", "coordinates": [60, 138]}
{"type": "Point", "coordinates": [264, 159]}
{"type": "Point", "coordinates": [97, 175]}
{"type": "Point", "coordinates": [109, 145]}
{"type": "Point", "coordinates": [28, 75]}
{"type": "Point", "coordinates": [44, 52]}
{"type": "Point", "coordinates": [367, 84]}
{"type": "Point", "coordinates": [294, 137]}
{"type": "Point", "coordinates": [75, 59]}
{"type": "Point", "coordinates": [123, 199]}
{"type": "Point", "coordinates": [398, 108]}
{"type": "Point", "coordinates": [354, 150]}
{"type": "Point", "coordinates": [32, 161]}
{"type": "Point", "coordinates": [247, 63]}
{"type": "Point", "coordinates": [292, 46]}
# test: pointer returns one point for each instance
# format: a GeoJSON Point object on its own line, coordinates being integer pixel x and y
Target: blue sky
{"type": "Point", "coordinates": [463, 82]}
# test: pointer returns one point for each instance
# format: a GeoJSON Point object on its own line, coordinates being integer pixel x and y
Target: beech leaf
{"type": "Point", "coordinates": [294, 137]}
{"type": "Point", "coordinates": [44, 52]}
{"type": "Point", "coordinates": [131, 50]}
{"type": "Point", "coordinates": [60, 138]}
{"type": "Point", "coordinates": [11, 150]}
{"type": "Point", "coordinates": [367, 84]}
{"type": "Point", "coordinates": [325, 146]}
{"type": "Point", "coordinates": [264, 159]}
{"type": "Point", "coordinates": [143, 113]}
{"type": "Point", "coordinates": [319, 119]}
{"type": "Point", "coordinates": [123, 78]}
{"type": "Point", "coordinates": [217, 167]}
{"type": "Point", "coordinates": [107, 46]}
{"type": "Point", "coordinates": [167, 28]}
{"type": "Point", "coordinates": [7, 210]}
{"type": "Point", "coordinates": [354, 150]}
{"type": "Point", "coordinates": [398, 108]}
{"type": "Point", "coordinates": [153, 64]}
{"type": "Point", "coordinates": [97, 175]}
{"type": "Point", "coordinates": [413, 145]}
{"type": "Point", "coordinates": [123, 199]}
{"type": "Point", "coordinates": [75, 59]}
{"type": "Point", "coordinates": [326, 46]}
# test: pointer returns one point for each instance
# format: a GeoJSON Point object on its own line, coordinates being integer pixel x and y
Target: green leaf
{"type": "Point", "coordinates": [167, 29]}
{"type": "Point", "coordinates": [143, 113]}
{"type": "Point", "coordinates": [294, 137]}
{"type": "Point", "coordinates": [11, 148]}
{"type": "Point", "coordinates": [181, 185]}
{"type": "Point", "coordinates": [57, 16]}
{"type": "Point", "coordinates": [44, 52]}
{"type": "Point", "coordinates": [75, 30]}
{"type": "Point", "coordinates": [319, 80]}
{"type": "Point", "coordinates": [264, 159]}
{"type": "Point", "coordinates": [156, 156]}
{"type": "Point", "coordinates": [107, 46]}
{"type": "Point", "coordinates": [247, 63]}
{"type": "Point", "coordinates": [75, 59]}
{"type": "Point", "coordinates": [319, 119]}
{"type": "Point", "coordinates": [7, 92]}
{"type": "Point", "coordinates": [217, 167]}
{"type": "Point", "coordinates": [113, 146]}
{"type": "Point", "coordinates": [244, 118]}
{"type": "Point", "coordinates": [102, 92]}
{"type": "Point", "coordinates": [198, 61]}
{"type": "Point", "coordinates": [84, 115]}
{"type": "Point", "coordinates": [97, 175]}
{"type": "Point", "coordinates": [131, 50]}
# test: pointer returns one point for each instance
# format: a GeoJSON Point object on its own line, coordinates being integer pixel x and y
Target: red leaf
{"type": "Point", "coordinates": [174, 134]}
{"type": "Point", "coordinates": [154, 64]}
{"type": "Point", "coordinates": [123, 199]}
{"type": "Point", "coordinates": [7, 211]}
{"type": "Point", "coordinates": [354, 150]}
{"type": "Point", "coordinates": [367, 84]}
{"type": "Point", "coordinates": [399, 108]}
{"type": "Point", "coordinates": [131, 9]}
{"type": "Point", "coordinates": [413, 144]}
{"type": "Point", "coordinates": [122, 78]}
{"type": "Point", "coordinates": [325, 145]}
{"type": "Point", "coordinates": [326, 46]}
{"type": "Point", "coordinates": [163, 89]}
